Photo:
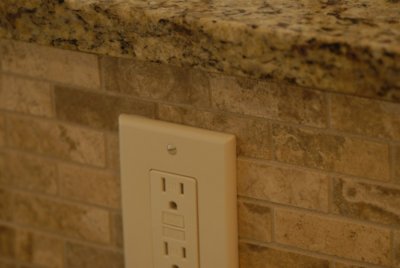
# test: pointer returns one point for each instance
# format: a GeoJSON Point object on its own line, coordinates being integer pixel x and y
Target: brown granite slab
{"type": "Point", "coordinates": [348, 46]}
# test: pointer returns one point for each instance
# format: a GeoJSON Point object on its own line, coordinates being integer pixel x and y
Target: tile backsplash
{"type": "Point", "coordinates": [318, 172]}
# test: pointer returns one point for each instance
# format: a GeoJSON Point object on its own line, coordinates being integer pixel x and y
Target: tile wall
{"type": "Point", "coordinates": [318, 172]}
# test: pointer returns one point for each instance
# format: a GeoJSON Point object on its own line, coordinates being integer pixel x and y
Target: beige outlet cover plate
{"type": "Point", "coordinates": [208, 156]}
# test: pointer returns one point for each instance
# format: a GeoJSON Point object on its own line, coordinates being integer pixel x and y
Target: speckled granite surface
{"type": "Point", "coordinates": [350, 46]}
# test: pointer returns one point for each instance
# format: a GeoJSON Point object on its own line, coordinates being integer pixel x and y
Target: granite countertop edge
{"type": "Point", "coordinates": [358, 55]}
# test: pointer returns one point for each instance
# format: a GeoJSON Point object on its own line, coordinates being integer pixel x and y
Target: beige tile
{"type": "Point", "coordinates": [252, 135]}
{"type": "Point", "coordinates": [365, 116]}
{"type": "Point", "coordinates": [90, 185]}
{"type": "Point", "coordinates": [79, 256]}
{"type": "Point", "coordinates": [26, 96]}
{"type": "Point", "coordinates": [63, 66]}
{"type": "Point", "coordinates": [156, 81]}
{"type": "Point", "coordinates": [254, 256]}
{"type": "Point", "coordinates": [396, 163]}
{"type": "Point", "coordinates": [113, 152]}
{"type": "Point", "coordinates": [57, 140]}
{"type": "Point", "coordinates": [255, 221]}
{"type": "Point", "coordinates": [29, 172]}
{"type": "Point", "coordinates": [116, 230]}
{"type": "Point", "coordinates": [366, 201]}
{"type": "Point", "coordinates": [397, 249]}
{"type": "Point", "coordinates": [344, 265]}
{"type": "Point", "coordinates": [97, 110]}
{"type": "Point", "coordinates": [2, 130]}
{"type": "Point", "coordinates": [7, 242]}
{"type": "Point", "coordinates": [39, 250]}
{"type": "Point", "coordinates": [314, 149]}
{"type": "Point", "coordinates": [6, 264]}
{"type": "Point", "coordinates": [71, 220]}
{"type": "Point", "coordinates": [334, 237]}
{"type": "Point", "coordinates": [269, 100]}
{"type": "Point", "coordinates": [6, 209]}
{"type": "Point", "coordinates": [283, 185]}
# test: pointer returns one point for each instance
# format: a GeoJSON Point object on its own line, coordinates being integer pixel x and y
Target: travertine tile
{"type": "Point", "coordinates": [39, 249]}
{"type": "Point", "coordinates": [97, 110]}
{"type": "Point", "coordinates": [76, 221]}
{"type": "Point", "coordinates": [331, 152]}
{"type": "Point", "coordinates": [5, 205]}
{"type": "Point", "coordinates": [255, 221]}
{"type": "Point", "coordinates": [365, 116]}
{"type": "Point", "coordinates": [254, 256]}
{"type": "Point", "coordinates": [339, 238]}
{"type": "Point", "coordinates": [7, 242]}
{"type": "Point", "coordinates": [252, 135]}
{"type": "Point", "coordinates": [68, 67]}
{"type": "Point", "coordinates": [283, 185]}
{"type": "Point", "coordinates": [116, 230]}
{"type": "Point", "coordinates": [366, 201]}
{"type": "Point", "coordinates": [156, 81]}
{"type": "Point", "coordinates": [113, 152]}
{"type": "Point", "coordinates": [57, 140]}
{"type": "Point", "coordinates": [29, 172]}
{"type": "Point", "coordinates": [396, 163]}
{"type": "Point", "coordinates": [343, 265]}
{"type": "Point", "coordinates": [2, 130]}
{"type": "Point", "coordinates": [26, 96]}
{"type": "Point", "coordinates": [89, 185]}
{"type": "Point", "coordinates": [79, 256]}
{"type": "Point", "coordinates": [270, 100]}
{"type": "Point", "coordinates": [397, 249]}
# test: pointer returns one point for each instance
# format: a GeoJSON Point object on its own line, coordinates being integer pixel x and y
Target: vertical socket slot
{"type": "Point", "coordinates": [166, 249]}
{"type": "Point", "coordinates": [164, 185]}
{"type": "Point", "coordinates": [182, 188]}
{"type": "Point", "coordinates": [184, 253]}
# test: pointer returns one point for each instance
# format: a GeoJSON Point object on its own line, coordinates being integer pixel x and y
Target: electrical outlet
{"type": "Point", "coordinates": [174, 220]}
{"type": "Point", "coordinates": [179, 199]}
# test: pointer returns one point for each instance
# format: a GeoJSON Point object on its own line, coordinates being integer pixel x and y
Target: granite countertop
{"type": "Point", "coordinates": [350, 46]}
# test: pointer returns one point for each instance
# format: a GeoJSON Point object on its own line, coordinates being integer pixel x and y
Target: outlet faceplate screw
{"type": "Point", "coordinates": [172, 149]}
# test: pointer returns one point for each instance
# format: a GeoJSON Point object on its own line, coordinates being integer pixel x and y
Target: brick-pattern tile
{"type": "Point", "coordinates": [7, 242]}
{"type": "Point", "coordinates": [76, 221]}
{"type": "Point", "coordinates": [6, 264]}
{"type": "Point", "coordinates": [365, 116]}
{"type": "Point", "coordinates": [283, 185]}
{"type": "Point", "coordinates": [397, 249]}
{"type": "Point", "coordinates": [255, 221]}
{"type": "Point", "coordinates": [344, 265]}
{"type": "Point", "coordinates": [339, 238]}
{"type": "Point", "coordinates": [93, 186]}
{"type": "Point", "coordinates": [254, 256]}
{"type": "Point", "coordinates": [26, 96]}
{"type": "Point", "coordinates": [366, 201]}
{"type": "Point", "coordinates": [97, 110]}
{"type": "Point", "coordinates": [396, 164]}
{"type": "Point", "coordinates": [313, 149]}
{"type": "Point", "coordinates": [113, 160]}
{"type": "Point", "coordinates": [79, 256]}
{"type": "Point", "coordinates": [252, 134]}
{"type": "Point", "coordinates": [2, 130]}
{"type": "Point", "coordinates": [116, 230]}
{"type": "Point", "coordinates": [29, 172]}
{"type": "Point", "coordinates": [156, 81]}
{"type": "Point", "coordinates": [269, 100]}
{"type": "Point", "coordinates": [57, 140]}
{"type": "Point", "coordinates": [62, 66]}
{"type": "Point", "coordinates": [39, 249]}
{"type": "Point", "coordinates": [5, 205]}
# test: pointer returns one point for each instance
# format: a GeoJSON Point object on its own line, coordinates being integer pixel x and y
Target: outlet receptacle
{"type": "Point", "coordinates": [174, 220]}
{"type": "Point", "coordinates": [164, 228]}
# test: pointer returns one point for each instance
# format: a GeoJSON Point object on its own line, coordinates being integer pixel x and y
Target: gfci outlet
{"type": "Point", "coordinates": [178, 195]}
